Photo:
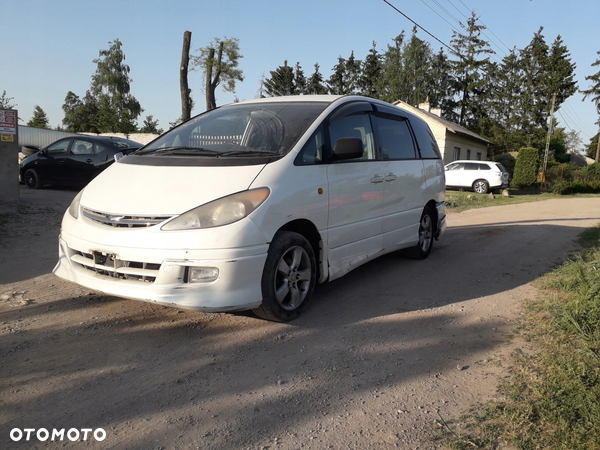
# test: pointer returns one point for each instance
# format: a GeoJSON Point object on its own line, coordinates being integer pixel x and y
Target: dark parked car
{"type": "Point", "coordinates": [72, 161]}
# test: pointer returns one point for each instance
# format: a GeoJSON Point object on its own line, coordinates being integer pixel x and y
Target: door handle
{"type": "Point", "coordinates": [61, 161]}
{"type": "Point", "coordinates": [89, 161]}
{"type": "Point", "coordinates": [377, 179]}
{"type": "Point", "coordinates": [390, 177]}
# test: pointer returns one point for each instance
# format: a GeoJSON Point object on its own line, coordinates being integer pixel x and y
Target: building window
{"type": "Point", "coordinates": [456, 153]}
{"type": "Point", "coordinates": [469, 154]}
{"type": "Point", "coordinates": [479, 156]}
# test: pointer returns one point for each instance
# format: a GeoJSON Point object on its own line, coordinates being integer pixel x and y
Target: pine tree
{"type": "Point", "coordinates": [315, 84]}
{"type": "Point", "coordinates": [281, 82]}
{"type": "Point", "coordinates": [39, 119]}
{"type": "Point", "coordinates": [417, 62]}
{"type": "Point", "coordinates": [391, 86]}
{"type": "Point", "coordinates": [594, 92]}
{"type": "Point", "coordinates": [469, 70]}
{"type": "Point", "coordinates": [370, 73]}
{"type": "Point", "coordinates": [299, 80]}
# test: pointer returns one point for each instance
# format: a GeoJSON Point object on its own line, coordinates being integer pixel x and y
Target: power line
{"type": "Point", "coordinates": [486, 27]}
{"type": "Point", "coordinates": [443, 43]}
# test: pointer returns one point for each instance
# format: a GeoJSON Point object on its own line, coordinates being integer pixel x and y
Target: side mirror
{"type": "Point", "coordinates": [348, 148]}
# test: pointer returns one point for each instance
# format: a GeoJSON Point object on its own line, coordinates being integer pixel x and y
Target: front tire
{"type": "Point", "coordinates": [423, 248]}
{"type": "Point", "coordinates": [288, 278]}
{"type": "Point", "coordinates": [481, 186]}
{"type": "Point", "coordinates": [32, 179]}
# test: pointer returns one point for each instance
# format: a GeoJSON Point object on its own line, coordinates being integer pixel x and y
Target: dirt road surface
{"type": "Point", "coordinates": [378, 359]}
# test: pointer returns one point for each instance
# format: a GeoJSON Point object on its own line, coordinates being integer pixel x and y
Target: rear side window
{"type": "Point", "coordinates": [395, 140]}
{"type": "Point", "coordinates": [425, 140]}
{"type": "Point", "coordinates": [471, 166]}
{"type": "Point", "coordinates": [484, 167]}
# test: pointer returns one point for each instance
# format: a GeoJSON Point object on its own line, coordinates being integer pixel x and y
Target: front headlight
{"type": "Point", "coordinates": [74, 208]}
{"type": "Point", "coordinates": [220, 212]}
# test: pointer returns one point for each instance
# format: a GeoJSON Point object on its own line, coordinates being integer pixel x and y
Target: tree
{"type": "Point", "coordinates": [370, 73]}
{"type": "Point", "coordinates": [469, 70]}
{"type": "Point", "coordinates": [5, 102]}
{"type": "Point", "coordinates": [111, 86]}
{"type": "Point", "coordinates": [391, 85]}
{"type": "Point", "coordinates": [299, 80]}
{"type": "Point", "coordinates": [281, 82]}
{"type": "Point", "coordinates": [186, 99]}
{"type": "Point", "coordinates": [594, 92]}
{"type": "Point", "coordinates": [219, 62]}
{"type": "Point", "coordinates": [314, 85]}
{"type": "Point", "coordinates": [108, 106]}
{"type": "Point", "coordinates": [345, 77]}
{"type": "Point", "coordinates": [151, 126]}
{"type": "Point", "coordinates": [416, 56]}
{"type": "Point", "coordinates": [81, 115]}
{"type": "Point", "coordinates": [39, 119]}
{"type": "Point", "coordinates": [440, 85]}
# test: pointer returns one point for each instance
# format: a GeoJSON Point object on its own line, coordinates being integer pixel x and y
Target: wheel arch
{"type": "Point", "coordinates": [432, 205]}
{"type": "Point", "coordinates": [307, 229]}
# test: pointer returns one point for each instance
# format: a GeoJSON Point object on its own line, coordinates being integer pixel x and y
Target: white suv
{"type": "Point", "coordinates": [480, 176]}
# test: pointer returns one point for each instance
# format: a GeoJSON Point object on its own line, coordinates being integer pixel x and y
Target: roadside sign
{"type": "Point", "coordinates": [8, 122]}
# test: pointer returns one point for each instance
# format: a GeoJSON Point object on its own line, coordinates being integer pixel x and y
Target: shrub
{"type": "Point", "coordinates": [508, 161]}
{"type": "Point", "coordinates": [577, 187]}
{"type": "Point", "coordinates": [592, 169]}
{"type": "Point", "coordinates": [526, 167]}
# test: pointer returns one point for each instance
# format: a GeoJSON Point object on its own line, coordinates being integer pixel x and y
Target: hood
{"type": "Point", "coordinates": [163, 190]}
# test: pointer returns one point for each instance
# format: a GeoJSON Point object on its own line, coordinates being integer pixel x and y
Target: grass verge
{"type": "Point", "coordinates": [552, 396]}
{"type": "Point", "coordinates": [462, 200]}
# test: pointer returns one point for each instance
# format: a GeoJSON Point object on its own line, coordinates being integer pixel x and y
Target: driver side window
{"type": "Point", "coordinates": [356, 125]}
{"type": "Point", "coordinates": [59, 148]}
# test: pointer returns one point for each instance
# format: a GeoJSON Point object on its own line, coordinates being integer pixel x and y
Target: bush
{"type": "Point", "coordinates": [508, 161]}
{"type": "Point", "coordinates": [591, 170]}
{"type": "Point", "coordinates": [526, 167]}
{"type": "Point", "coordinates": [577, 187]}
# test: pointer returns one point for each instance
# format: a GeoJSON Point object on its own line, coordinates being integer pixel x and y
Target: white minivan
{"type": "Point", "coordinates": [249, 205]}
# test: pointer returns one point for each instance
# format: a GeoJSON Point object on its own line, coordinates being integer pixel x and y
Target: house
{"type": "Point", "coordinates": [455, 142]}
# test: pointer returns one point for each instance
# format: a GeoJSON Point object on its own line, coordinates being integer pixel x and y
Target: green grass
{"type": "Point", "coordinates": [463, 200]}
{"type": "Point", "coordinates": [553, 391]}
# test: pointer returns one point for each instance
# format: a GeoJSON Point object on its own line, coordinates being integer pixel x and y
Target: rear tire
{"type": "Point", "coordinates": [481, 186]}
{"type": "Point", "coordinates": [425, 244]}
{"type": "Point", "coordinates": [32, 179]}
{"type": "Point", "coordinates": [288, 278]}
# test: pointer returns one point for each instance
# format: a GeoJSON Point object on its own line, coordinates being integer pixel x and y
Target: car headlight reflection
{"type": "Point", "coordinates": [220, 212]}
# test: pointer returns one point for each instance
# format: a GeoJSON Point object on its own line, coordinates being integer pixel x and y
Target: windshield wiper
{"type": "Point", "coordinates": [248, 153]}
{"type": "Point", "coordinates": [181, 150]}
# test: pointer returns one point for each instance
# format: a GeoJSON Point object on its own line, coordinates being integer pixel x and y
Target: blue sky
{"type": "Point", "coordinates": [47, 47]}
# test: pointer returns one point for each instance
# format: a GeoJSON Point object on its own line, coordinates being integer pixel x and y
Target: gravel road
{"type": "Point", "coordinates": [378, 360]}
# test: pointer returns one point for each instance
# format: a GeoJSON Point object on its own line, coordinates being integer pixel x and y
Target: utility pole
{"type": "Point", "coordinates": [548, 141]}
{"type": "Point", "coordinates": [598, 148]}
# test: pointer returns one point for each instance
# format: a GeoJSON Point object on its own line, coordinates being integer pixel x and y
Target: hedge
{"type": "Point", "coordinates": [526, 167]}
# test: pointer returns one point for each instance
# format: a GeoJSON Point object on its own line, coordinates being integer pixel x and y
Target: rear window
{"type": "Point", "coordinates": [501, 167]}
{"type": "Point", "coordinates": [425, 140]}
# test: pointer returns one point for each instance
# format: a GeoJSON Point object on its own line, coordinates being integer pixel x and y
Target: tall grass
{"type": "Point", "coordinates": [553, 392]}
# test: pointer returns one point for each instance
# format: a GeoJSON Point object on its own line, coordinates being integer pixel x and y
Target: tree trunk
{"type": "Point", "coordinates": [210, 90]}
{"type": "Point", "coordinates": [186, 102]}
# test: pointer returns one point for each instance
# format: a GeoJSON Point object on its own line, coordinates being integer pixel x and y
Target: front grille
{"type": "Point", "coordinates": [123, 220]}
{"type": "Point", "coordinates": [110, 266]}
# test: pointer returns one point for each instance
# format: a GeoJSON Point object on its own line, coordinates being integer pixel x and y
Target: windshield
{"type": "Point", "coordinates": [261, 129]}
